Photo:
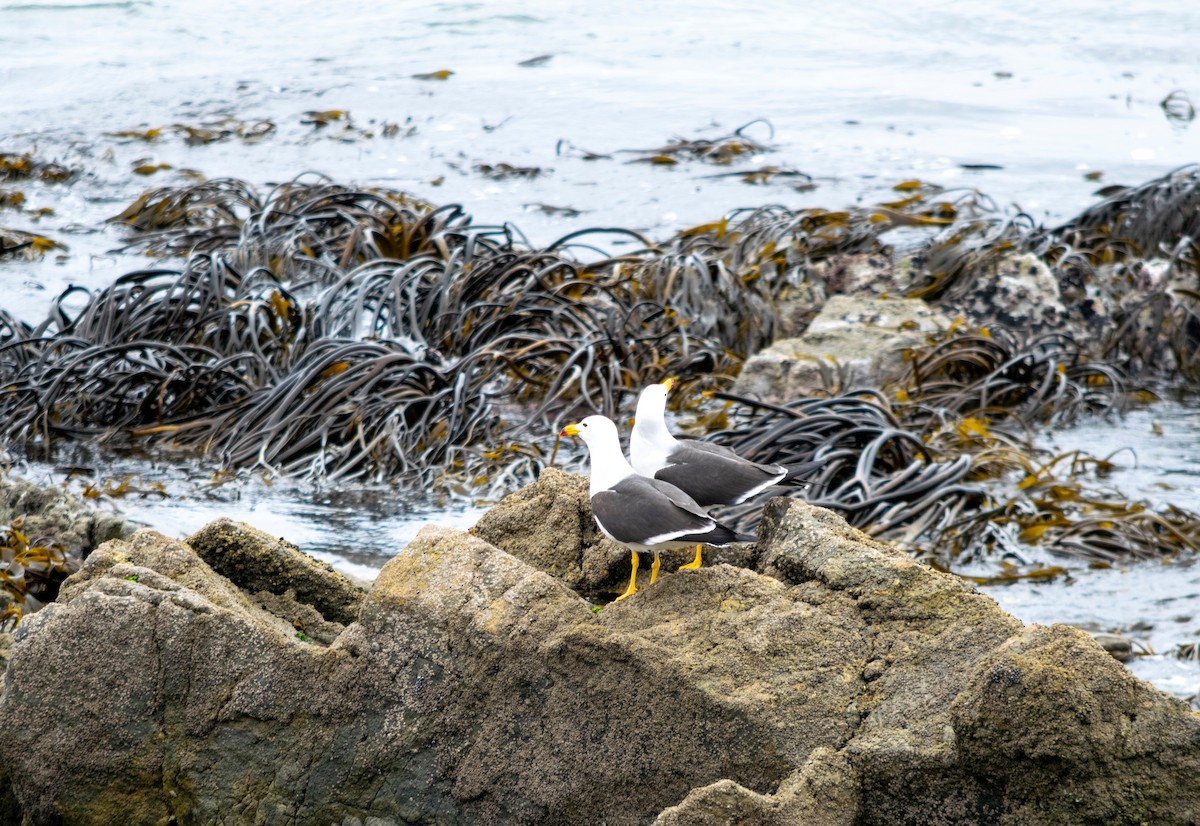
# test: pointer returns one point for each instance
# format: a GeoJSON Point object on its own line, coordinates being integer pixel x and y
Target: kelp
{"type": "Point", "coordinates": [881, 477]}
{"type": "Point", "coordinates": [352, 410]}
{"type": "Point", "coordinates": [27, 245]}
{"type": "Point", "coordinates": [30, 574]}
{"type": "Point", "coordinates": [26, 166]}
{"type": "Point", "coordinates": [302, 230]}
{"type": "Point", "coordinates": [68, 387]}
{"type": "Point", "coordinates": [215, 131]}
{"type": "Point", "coordinates": [272, 282]}
{"type": "Point", "coordinates": [1053, 509]}
{"type": "Point", "coordinates": [722, 150]}
{"type": "Point", "coordinates": [1159, 217]}
{"type": "Point", "coordinates": [342, 334]}
{"type": "Point", "coordinates": [1050, 379]}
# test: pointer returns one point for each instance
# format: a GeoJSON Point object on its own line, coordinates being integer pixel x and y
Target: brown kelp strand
{"type": "Point", "coordinates": [304, 230]}
{"type": "Point", "coordinates": [69, 387]}
{"type": "Point", "coordinates": [27, 166]}
{"type": "Point", "coordinates": [351, 410]}
{"type": "Point", "coordinates": [27, 246]}
{"type": "Point", "coordinates": [1157, 332]}
{"type": "Point", "coordinates": [722, 150]}
{"type": "Point", "coordinates": [208, 304]}
{"type": "Point", "coordinates": [30, 575]}
{"type": "Point", "coordinates": [1159, 217]}
{"type": "Point", "coordinates": [12, 329]}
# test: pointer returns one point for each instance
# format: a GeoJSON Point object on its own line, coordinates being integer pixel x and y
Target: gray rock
{"type": "Point", "coordinates": [852, 341]}
{"type": "Point", "coordinates": [1018, 292]}
{"type": "Point", "coordinates": [839, 683]}
{"type": "Point", "coordinates": [50, 516]}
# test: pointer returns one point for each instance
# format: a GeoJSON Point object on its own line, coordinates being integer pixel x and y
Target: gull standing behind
{"type": "Point", "coordinates": [642, 513]}
{"type": "Point", "coordinates": [711, 474]}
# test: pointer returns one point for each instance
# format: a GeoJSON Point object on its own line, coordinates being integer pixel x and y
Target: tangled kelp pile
{"type": "Point", "coordinates": [337, 334]}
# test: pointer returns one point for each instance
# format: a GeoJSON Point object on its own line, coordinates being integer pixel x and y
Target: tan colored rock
{"type": "Point", "coordinates": [549, 525]}
{"type": "Point", "coordinates": [1110, 748]}
{"type": "Point", "coordinates": [853, 341]}
{"type": "Point", "coordinates": [841, 683]}
{"type": "Point", "coordinates": [256, 561]}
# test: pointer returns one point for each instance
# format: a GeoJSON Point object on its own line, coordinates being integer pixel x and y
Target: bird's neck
{"type": "Point", "coordinates": [650, 443]}
{"type": "Point", "coordinates": [608, 466]}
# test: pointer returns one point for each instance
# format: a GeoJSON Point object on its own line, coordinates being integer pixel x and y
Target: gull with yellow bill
{"type": "Point", "coordinates": [642, 513]}
{"type": "Point", "coordinates": [709, 473]}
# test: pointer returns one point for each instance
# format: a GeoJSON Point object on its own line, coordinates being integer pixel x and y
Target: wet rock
{"type": "Point", "coordinates": [52, 516]}
{"type": "Point", "coordinates": [1016, 291]}
{"type": "Point", "coordinates": [852, 341]}
{"type": "Point", "coordinates": [838, 683]}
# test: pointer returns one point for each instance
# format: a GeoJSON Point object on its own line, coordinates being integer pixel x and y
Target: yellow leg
{"type": "Point", "coordinates": [654, 569]}
{"type": "Point", "coordinates": [632, 589]}
{"type": "Point", "coordinates": [695, 563]}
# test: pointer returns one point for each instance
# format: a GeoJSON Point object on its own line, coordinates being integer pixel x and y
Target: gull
{"type": "Point", "coordinates": [711, 474]}
{"type": "Point", "coordinates": [641, 513]}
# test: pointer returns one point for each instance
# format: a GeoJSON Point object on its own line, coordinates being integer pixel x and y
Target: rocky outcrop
{"type": "Point", "coordinates": [854, 340]}
{"type": "Point", "coordinates": [51, 516]}
{"type": "Point", "coordinates": [837, 682]}
{"type": "Point", "coordinates": [278, 572]}
{"type": "Point", "coordinates": [1018, 292]}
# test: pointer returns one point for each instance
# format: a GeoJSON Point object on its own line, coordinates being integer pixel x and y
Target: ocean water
{"type": "Point", "coordinates": [1036, 104]}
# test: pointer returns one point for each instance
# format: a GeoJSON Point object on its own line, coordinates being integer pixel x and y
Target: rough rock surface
{"type": "Point", "coordinates": [258, 562]}
{"type": "Point", "coordinates": [1017, 291]}
{"type": "Point", "coordinates": [851, 341]}
{"type": "Point", "coordinates": [52, 516]}
{"type": "Point", "coordinates": [875, 274]}
{"type": "Point", "coordinates": [549, 525]}
{"type": "Point", "coordinates": [839, 683]}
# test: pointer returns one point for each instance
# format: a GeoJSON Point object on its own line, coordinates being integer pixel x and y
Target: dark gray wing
{"type": "Point", "coordinates": [638, 509]}
{"type": "Point", "coordinates": [714, 475]}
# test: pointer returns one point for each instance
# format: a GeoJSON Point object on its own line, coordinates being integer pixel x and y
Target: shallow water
{"type": "Point", "coordinates": [859, 98]}
{"type": "Point", "coordinates": [1155, 603]}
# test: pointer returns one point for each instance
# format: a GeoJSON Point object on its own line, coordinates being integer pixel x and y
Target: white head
{"type": "Point", "coordinates": [651, 442]}
{"type": "Point", "coordinates": [599, 433]}
{"type": "Point", "coordinates": [652, 402]}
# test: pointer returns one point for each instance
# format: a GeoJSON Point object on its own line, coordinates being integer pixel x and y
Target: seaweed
{"type": "Point", "coordinates": [722, 150]}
